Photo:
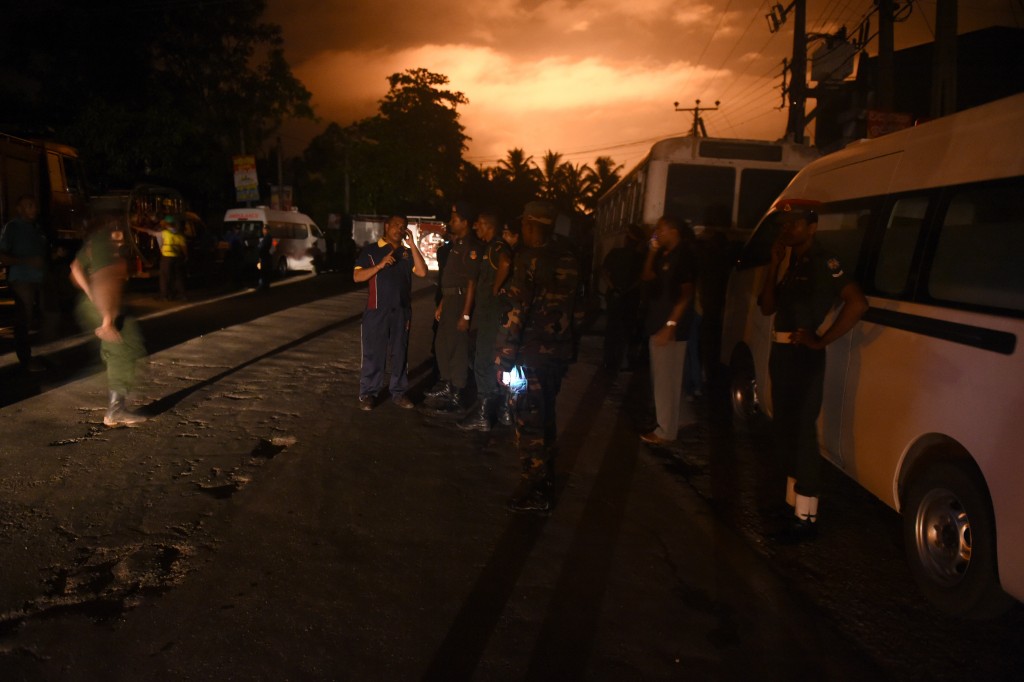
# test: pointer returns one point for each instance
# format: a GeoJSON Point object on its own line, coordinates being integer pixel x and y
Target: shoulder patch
{"type": "Point", "coordinates": [472, 254]}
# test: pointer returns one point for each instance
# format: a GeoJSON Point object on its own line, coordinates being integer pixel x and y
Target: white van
{"type": "Point", "coordinates": [298, 243]}
{"type": "Point", "coordinates": [923, 398]}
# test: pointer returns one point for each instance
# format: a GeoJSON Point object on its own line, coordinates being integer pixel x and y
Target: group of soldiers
{"type": "Point", "coordinates": [516, 286]}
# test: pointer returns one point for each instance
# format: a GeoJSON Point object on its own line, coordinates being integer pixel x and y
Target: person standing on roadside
{"type": "Point", "coordinates": [100, 271]}
{"type": "Point", "coordinates": [25, 250]}
{"type": "Point", "coordinates": [454, 312]}
{"type": "Point", "coordinates": [538, 336]}
{"type": "Point", "coordinates": [265, 249]}
{"type": "Point", "coordinates": [173, 254]}
{"type": "Point", "coordinates": [621, 273]}
{"type": "Point", "coordinates": [671, 273]}
{"type": "Point", "coordinates": [813, 284]}
{"type": "Point", "coordinates": [497, 256]}
{"type": "Point", "coordinates": [387, 266]}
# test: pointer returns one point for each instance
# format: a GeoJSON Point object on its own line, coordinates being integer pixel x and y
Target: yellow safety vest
{"type": "Point", "coordinates": [172, 244]}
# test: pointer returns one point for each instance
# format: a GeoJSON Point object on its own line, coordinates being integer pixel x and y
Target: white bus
{"type": "Point", "coordinates": [715, 183]}
{"type": "Point", "coordinates": [922, 402]}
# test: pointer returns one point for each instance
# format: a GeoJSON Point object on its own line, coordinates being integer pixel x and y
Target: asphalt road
{"type": "Point", "coordinates": [259, 526]}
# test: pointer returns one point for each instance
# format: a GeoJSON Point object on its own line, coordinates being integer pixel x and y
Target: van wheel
{"type": "Point", "coordinates": [949, 538]}
{"type": "Point", "coordinates": [282, 266]}
{"type": "Point", "coordinates": [743, 390]}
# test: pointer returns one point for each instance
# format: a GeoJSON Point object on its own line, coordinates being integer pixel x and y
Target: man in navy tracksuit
{"type": "Point", "coordinates": [388, 266]}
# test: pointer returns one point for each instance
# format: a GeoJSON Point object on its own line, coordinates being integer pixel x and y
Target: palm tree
{"type": "Point", "coordinates": [603, 176]}
{"type": "Point", "coordinates": [577, 187]}
{"type": "Point", "coordinates": [516, 168]}
{"type": "Point", "coordinates": [551, 170]}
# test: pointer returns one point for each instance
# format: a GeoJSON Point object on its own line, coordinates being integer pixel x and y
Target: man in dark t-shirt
{"type": "Point", "coordinates": [387, 266]}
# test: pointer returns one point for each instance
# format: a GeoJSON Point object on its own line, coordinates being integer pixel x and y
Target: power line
{"type": "Point", "coordinates": [736, 44]}
{"type": "Point", "coordinates": [700, 59]}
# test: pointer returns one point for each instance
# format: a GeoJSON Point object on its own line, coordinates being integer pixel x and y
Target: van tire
{"type": "Point", "coordinates": [282, 266]}
{"type": "Point", "coordinates": [743, 390]}
{"type": "Point", "coordinates": [950, 543]}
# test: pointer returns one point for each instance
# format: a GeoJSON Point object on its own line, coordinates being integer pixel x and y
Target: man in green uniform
{"type": "Point", "coordinates": [537, 335]}
{"type": "Point", "coordinates": [487, 310]}
{"type": "Point", "coordinates": [454, 312]}
{"type": "Point", "coordinates": [100, 271]}
{"type": "Point", "coordinates": [814, 282]}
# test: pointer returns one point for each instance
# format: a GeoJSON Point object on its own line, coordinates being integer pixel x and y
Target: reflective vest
{"type": "Point", "coordinates": [172, 244]}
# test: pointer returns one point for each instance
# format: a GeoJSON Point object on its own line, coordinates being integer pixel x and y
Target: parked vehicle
{"type": "Point", "coordinates": [140, 210]}
{"type": "Point", "coordinates": [716, 183]}
{"type": "Point", "coordinates": [921, 402]}
{"type": "Point", "coordinates": [51, 173]}
{"type": "Point", "coordinates": [298, 243]}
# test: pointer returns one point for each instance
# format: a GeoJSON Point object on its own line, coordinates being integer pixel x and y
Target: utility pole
{"type": "Point", "coordinates": [797, 91]}
{"type": "Point", "coordinates": [944, 60]}
{"type": "Point", "coordinates": [885, 92]}
{"type": "Point", "coordinates": [698, 129]}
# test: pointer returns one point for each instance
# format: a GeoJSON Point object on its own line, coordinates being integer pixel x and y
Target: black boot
{"type": "Point", "coordinates": [435, 399]}
{"type": "Point", "coordinates": [439, 388]}
{"type": "Point", "coordinates": [479, 417]}
{"type": "Point", "coordinates": [505, 417]}
{"type": "Point", "coordinates": [118, 415]}
{"type": "Point", "coordinates": [533, 496]}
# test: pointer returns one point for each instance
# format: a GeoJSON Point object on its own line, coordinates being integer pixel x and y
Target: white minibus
{"type": "Point", "coordinates": [923, 398]}
{"type": "Point", "coordinates": [298, 242]}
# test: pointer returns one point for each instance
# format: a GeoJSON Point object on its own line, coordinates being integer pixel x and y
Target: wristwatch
{"type": "Point", "coordinates": [465, 317]}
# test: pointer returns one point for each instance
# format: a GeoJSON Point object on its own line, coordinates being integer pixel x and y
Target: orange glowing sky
{"type": "Point", "coordinates": [580, 77]}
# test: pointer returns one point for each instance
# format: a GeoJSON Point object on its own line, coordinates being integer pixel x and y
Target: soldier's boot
{"type": "Point", "coordinates": [505, 417]}
{"type": "Point", "coordinates": [450, 402]}
{"type": "Point", "coordinates": [118, 415]}
{"type": "Point", "coordinates": [803, 527]}
{"type": "Point", "coordinates": [479, 416]}
{"type": "Point", "coordinates": [440, 387]}
{"type": "Point", "coordinates": [533, 496]}
{"type": "Point", "coordinates": [437, 399]}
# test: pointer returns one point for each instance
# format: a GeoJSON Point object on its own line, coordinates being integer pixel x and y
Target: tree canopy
{"type": "Point", "coordinates": [150, 88]}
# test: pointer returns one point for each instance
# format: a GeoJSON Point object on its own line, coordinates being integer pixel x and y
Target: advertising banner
{"type": "Point", "coordinates": [246, 182]}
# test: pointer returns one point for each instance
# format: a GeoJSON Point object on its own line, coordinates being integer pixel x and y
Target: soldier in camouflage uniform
{"type": "Point", "coordinates": [538, 335]}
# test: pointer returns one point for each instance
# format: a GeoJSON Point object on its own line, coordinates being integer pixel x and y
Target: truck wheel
{"type": "Point", "coordinates": [743, 390]}
{"type": "Point", "coordinates": [949, 538]}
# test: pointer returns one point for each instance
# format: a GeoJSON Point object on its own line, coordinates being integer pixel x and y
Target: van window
{"type": "Point", "coordinates": [841, 230]}
{"type": "Point", "coordinates": [978, 255]}
{"type": "Point", "coordinates": [892, 271]}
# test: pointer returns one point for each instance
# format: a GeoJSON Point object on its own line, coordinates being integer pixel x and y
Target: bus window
{"type": "Point", "coordinates": [57, 181]}
{"type": "Point", "coordinates": [701, 194]}
{"type": "Point", "coordinates": [977, 259]}
{"type": "Point", "coordinates": [758, 188]}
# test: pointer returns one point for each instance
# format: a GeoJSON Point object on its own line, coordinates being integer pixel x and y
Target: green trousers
{"type": "Point", "coordinates": [120, 358]}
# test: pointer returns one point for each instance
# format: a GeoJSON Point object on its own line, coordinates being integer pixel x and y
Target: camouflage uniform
{"type": "Point", "coordinates": [537, 334]}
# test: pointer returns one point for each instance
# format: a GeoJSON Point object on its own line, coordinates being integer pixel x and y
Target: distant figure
{"type": "Point", "coordinates": [621, 271]}
{"type": "Point", "coordinates": [388, 267]}
{"type": "Point", "coordinates": [25, 249]}
{"type": "Point", "coordinates": [173, 254]}
{"type": "Point", "coordinates": [265, 249]}
{"type": "Point", "coordinates": [100, 271]}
